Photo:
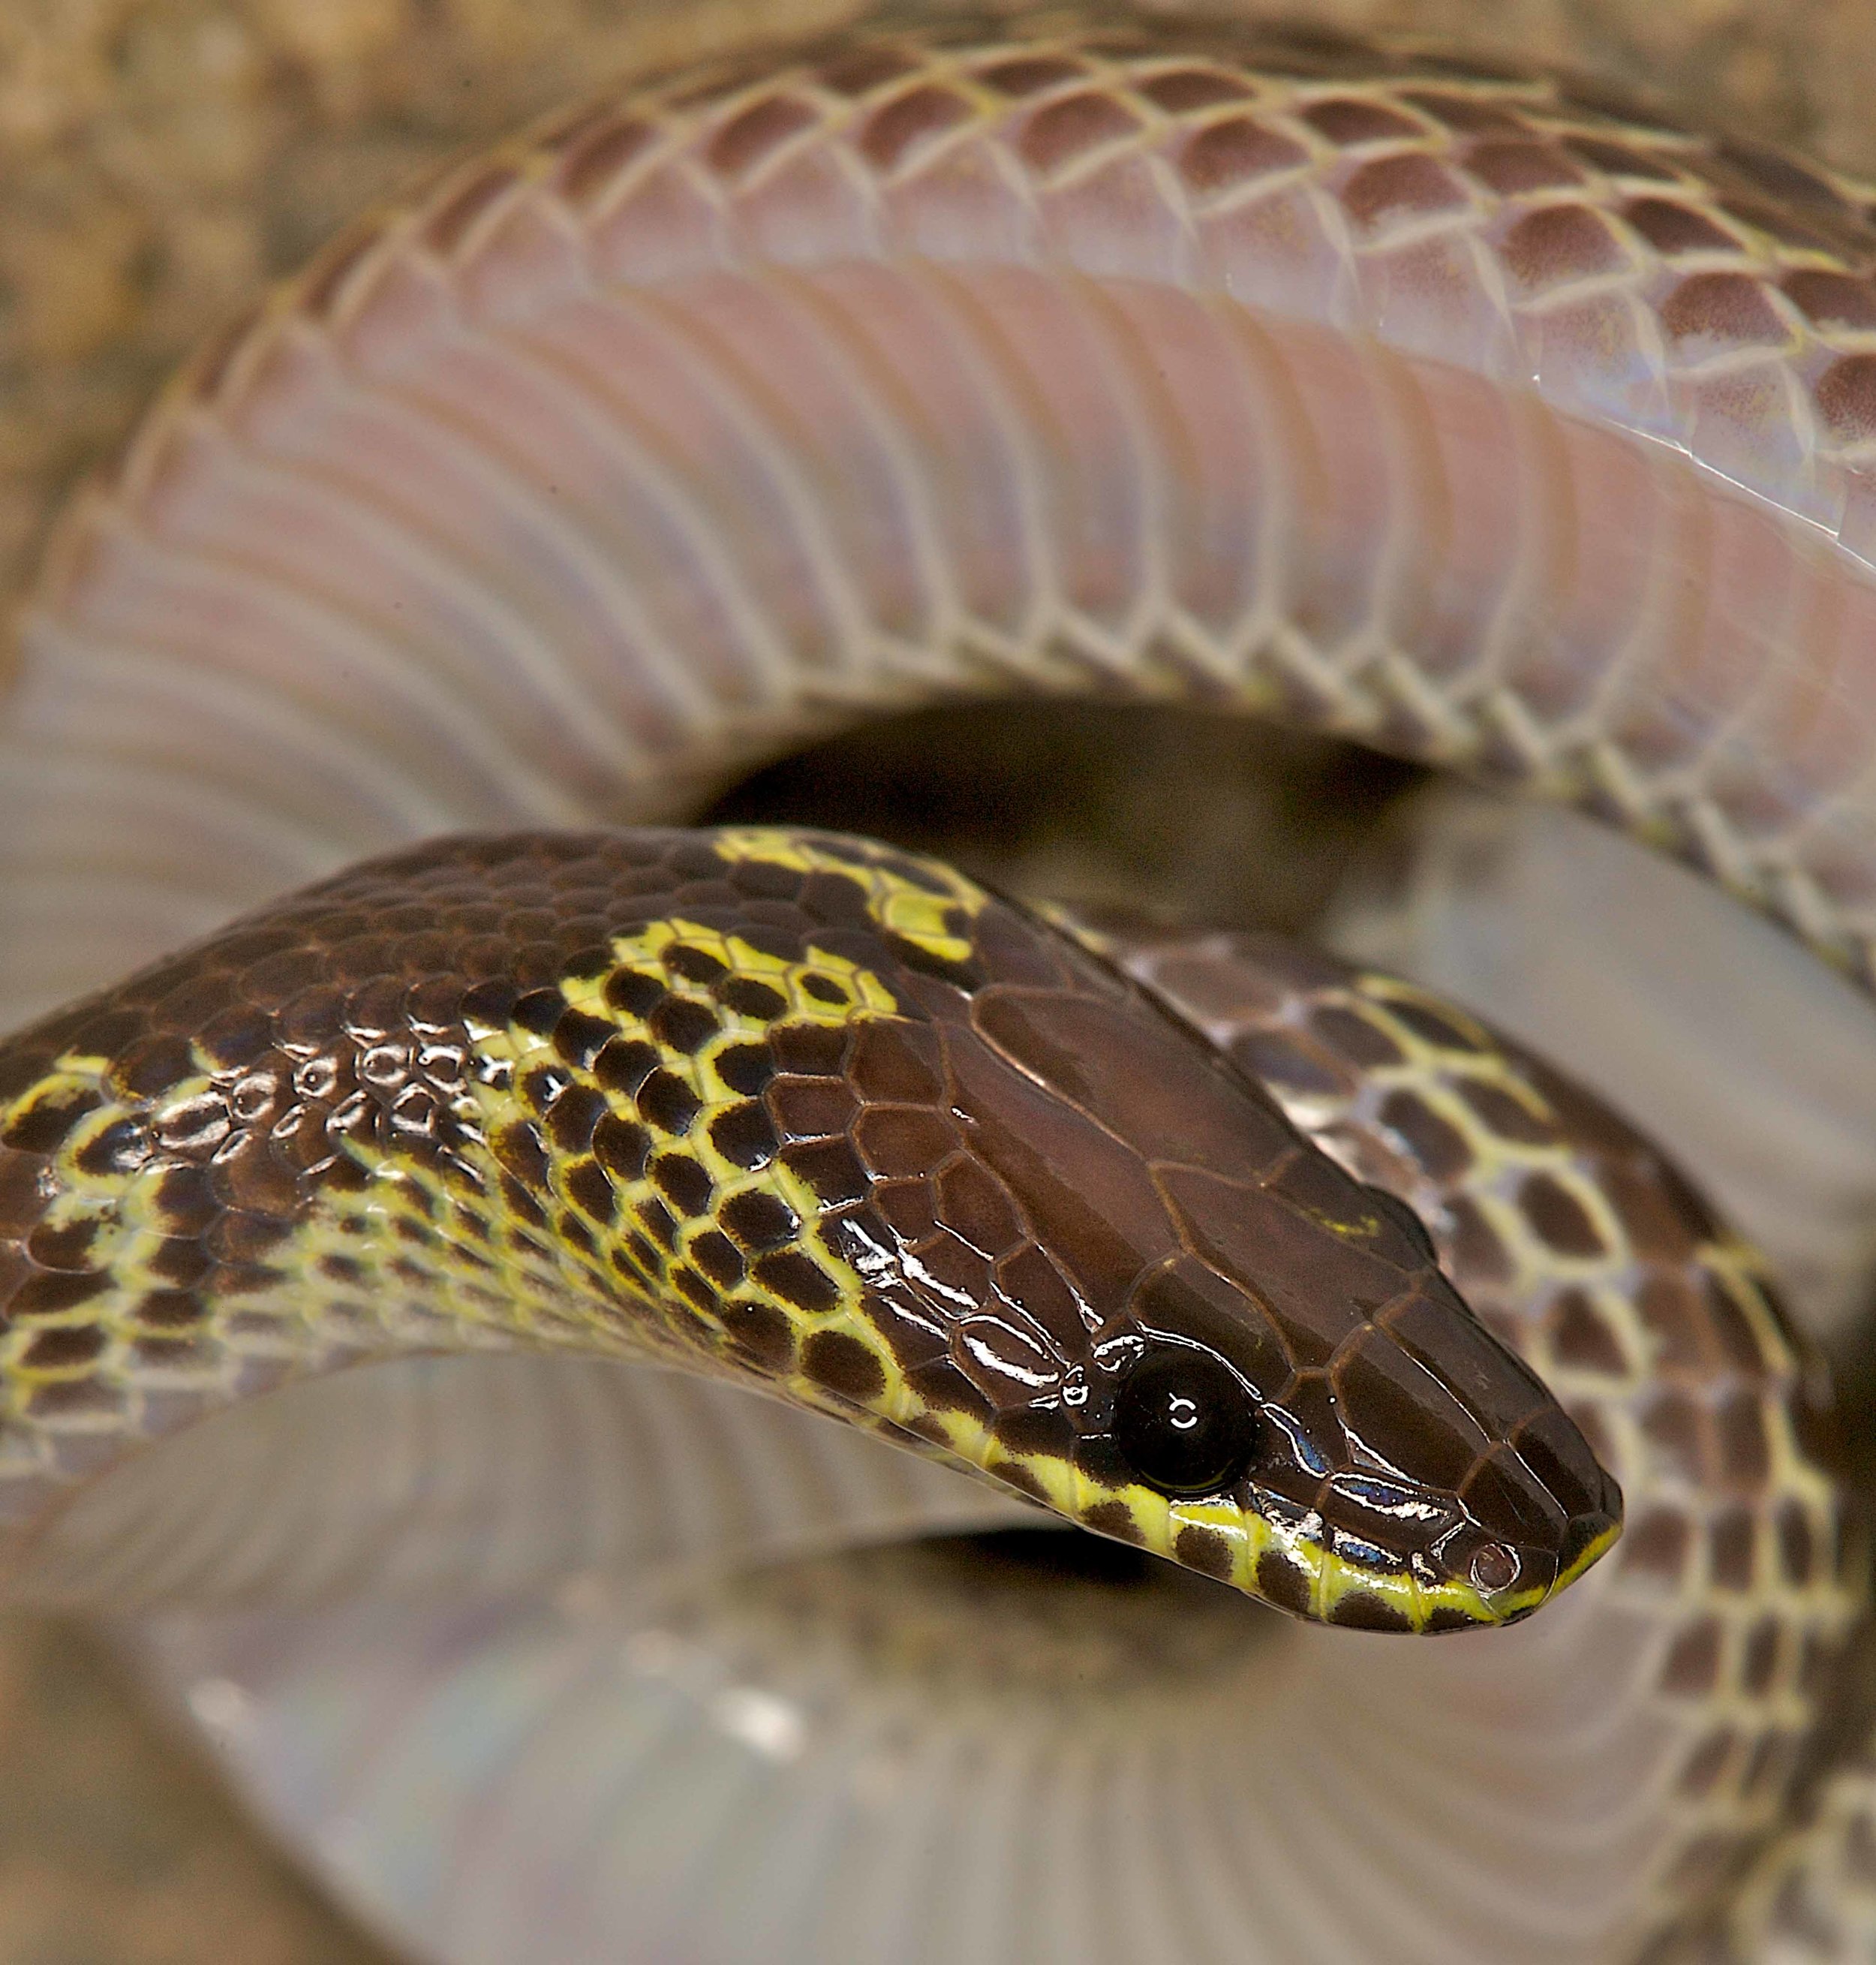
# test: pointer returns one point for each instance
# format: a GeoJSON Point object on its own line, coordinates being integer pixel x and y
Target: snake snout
{"type": "Point", "coordinates": [1539, 1512]}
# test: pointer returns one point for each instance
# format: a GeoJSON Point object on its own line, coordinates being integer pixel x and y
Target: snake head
{"type": "Point", "coordinates": [1290, 1396]}
{"type": "Point", "coordinates": [1110, 1273]}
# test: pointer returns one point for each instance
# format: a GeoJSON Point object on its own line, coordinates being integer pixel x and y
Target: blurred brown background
{"type": "Point", "coordinates": [158, 159]}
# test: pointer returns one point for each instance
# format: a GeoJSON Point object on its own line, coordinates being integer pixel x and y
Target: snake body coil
{"type": "Point", "coordinates": [1446, 409]}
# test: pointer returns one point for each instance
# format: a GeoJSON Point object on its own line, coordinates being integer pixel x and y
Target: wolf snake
{"type": "Point", "coordinates": [1450, 411]}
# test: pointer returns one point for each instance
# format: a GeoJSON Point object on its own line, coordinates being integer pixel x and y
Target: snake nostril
{"type": "Point", "coordinates": [1494, 1567]}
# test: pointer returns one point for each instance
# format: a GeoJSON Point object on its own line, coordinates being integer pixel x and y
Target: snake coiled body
{"type": "Point", "coordinates": [1449, 410]}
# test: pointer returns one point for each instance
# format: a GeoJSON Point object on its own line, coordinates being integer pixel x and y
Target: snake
{"type": "Point", "coordinates": [1459, 410]}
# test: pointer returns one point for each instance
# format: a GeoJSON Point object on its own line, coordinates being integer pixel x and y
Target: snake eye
{"type": "Point", "coordinates": [1184, 1422]}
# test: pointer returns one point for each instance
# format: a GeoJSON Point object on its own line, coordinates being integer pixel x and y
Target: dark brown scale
{"type": "Point", "coordinates": [1582, 1337]}
{"type": "Point", "coordinates": [1396, 188]}
{"type": "Point", "coordinates": [574, 1117]}
{"type": "Point", "coordinates": [811, 1108]}
{"type": "Point", "coordinates": [575, 1233]}
{"type": "Point", "coordinates": [540, 1087]}
{"type": "Point", "coordinates": [865, 70]}
{"type": "Point", "coordinates": [1349, 120]}
{"type": "Point", "coordinates": [760, 1332]}
{"type": "Point", "coordinates": [1030, 74]}
{"type": "Point", "coordinates": [1114, 1518]}
{"type": "Point", "coordinates": [718, 1257]}
{"type": "Point", "coordinates": [658, 1222]}
{"type": "Point", "coordinates": [1692, 1663]}
{"type": "Point", "coordinates": [683, 1182]}
{"type": "Point", "coordinates": [1205, 1550]}
{"type": "Point", "coordinates": [1184, 90]}
{"type": "Point", "coordinates": [695, 1291]}
{"type": "Point", "coordinates": [1515, 169]}
{"type": "Point", "coordinates": [64, 1248]}
{"type": "Point", "coordinates": [942, 1387]}
{"type": "Point", "coordinates": [174, 1310]}
{"type": "Point", "coordinates": [744, 143]}
{"type": "Point", "coordinates": [579, 1038]}
{"type": "Point", "coordinates": [1732, 1539]}
{"type": "Point", "coordinates": [1014, 1473]}
{"type": "Point", "coordinates": [520, 1150]}
{"type": "Point", "coordinates": [633, 991]}
{"type": "Point", "coordinates": [1722, 310]}
{"type": "Point", "coordinates": [1351, 1035]}
{"type": "Point", "coordinates": [1846, 398]}
{"type": "Point", "coordinates": [622, 1147]}
{"type": "Point", "coordinates": [683, 1023]}
{"type": "Point", "coordinates": [904, 1142]}
{"type": "Point", "coordinates": [749, 998]}
{"type": "Point", "coordinates": [1657, 1545]}
{"type": "Point", "coordinates": [1065, 130]}
{"type": "Point", "coordinates": [962, 1279]}
{"type": "Point", "coordinates": [51, 1293]}
{"type": "Point", "coordinates": [843, 1365]}
{"type": "Point", "coordinates": [1036, 1287]}
{"type": "Point", "coordinates": [830, 1168]}
{"type": "Point", "coordinates": [178, 1260]}
{"type": "Point", "coordinates": [1744, 1451]}
{"type": "Point", "coordinates": [84, 1398]}
{"type": "Point", "coordinates": [797, 1280]}
{"type": "Point", "coordinates": [744, 1134]}
{"type": "Point", "coordinates": [67, 1349]}
{"type": "Point", "coordinates": [1557, 1217]}
{"type": "Point", "coordinates": [1238, 150]}
{"type": "Point", "coordinates": [668, 1102]}
{"type": "Point", "coordinates": [910, 125]}
{"type": "Point", "coordinates": [623, 1063]}
{"type": "Point", "coordinates": [1362, 1610]}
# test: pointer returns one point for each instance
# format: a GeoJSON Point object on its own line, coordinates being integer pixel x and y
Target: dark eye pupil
{"type": "Point", "coordinates": [1185, 1424]}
